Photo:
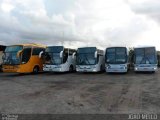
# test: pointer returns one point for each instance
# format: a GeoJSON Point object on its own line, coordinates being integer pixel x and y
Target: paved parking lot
{"type": "Point", "coordinates": [80, 93]}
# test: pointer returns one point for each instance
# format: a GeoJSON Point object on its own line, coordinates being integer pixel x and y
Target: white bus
{"type": "Point", "coordinates": [89, 59]}
{"type": "Point", "coordinates": [117, 60]}
{"type": "Point", "coordinates": [145, 59]}
{"type": "Point", "coordinates": [59, 59]}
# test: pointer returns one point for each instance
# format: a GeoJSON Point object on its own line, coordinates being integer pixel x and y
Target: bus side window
{"type": "Point", "coordinates": [26, 55]}
{"type": "Point", "coordinates": [65, 56]}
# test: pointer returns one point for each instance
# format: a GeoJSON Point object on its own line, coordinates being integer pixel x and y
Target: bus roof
{"type": "Point", "coordinates": [61, 46]}
{"type": "Point", "coordinates": [144, 47]}
{"type": "Point", "coordinates": [30, 44]}
{"type": "Point", "coordinates": [86, 47]}
{"type": "Point", "coordinates": [98, 50]}
{"type": "Point", "coordinates": [117, 47]}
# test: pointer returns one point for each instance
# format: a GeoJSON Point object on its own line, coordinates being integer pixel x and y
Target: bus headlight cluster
{"type": "Point", "coordinates": [155, 68]}
{"type": "Point", "coordinates": [108, 66]}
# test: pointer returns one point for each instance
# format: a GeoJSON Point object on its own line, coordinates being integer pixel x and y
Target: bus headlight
{"type": "Point", "coordinates": [108, 66]}
{"type": "Point", "coordinates": [136, 68]}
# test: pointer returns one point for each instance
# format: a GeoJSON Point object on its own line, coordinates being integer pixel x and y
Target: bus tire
{"type": "Point", "coordinates": [71, 68]}
{"type": "Point", "coordinates": [101, 69]}
{"type": "Point", "coordinates": [35, 70]}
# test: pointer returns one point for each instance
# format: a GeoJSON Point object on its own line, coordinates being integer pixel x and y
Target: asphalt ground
{"type": "Point", "coordinates": [80, 93]}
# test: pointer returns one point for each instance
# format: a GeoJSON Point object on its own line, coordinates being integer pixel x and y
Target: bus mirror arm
{"type": "Point", "coordinates": [61, 54]}
{"type": "Point", "coordinates": [73, 56]}
{"type": "Point", "coordinates": [3, 57]}
{"type": "Point", "coordinates": [40, 54]}
{"type": "Point", "coordinates": [95, 55]}
{"type": "Point", "coordinates": [19, 53]}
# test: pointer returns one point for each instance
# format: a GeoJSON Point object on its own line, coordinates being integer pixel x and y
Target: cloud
{"type": "Point", "coordinates": [150, 8]}
{"type": "Point", "coordinates": [75, 23]}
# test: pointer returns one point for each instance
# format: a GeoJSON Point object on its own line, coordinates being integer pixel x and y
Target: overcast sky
{"type": "Point", "coordinates": [77, 23]}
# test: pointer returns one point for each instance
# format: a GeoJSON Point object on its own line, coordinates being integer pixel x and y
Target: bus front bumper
{"type": "Point", "coordinates": [53, 68]}
{"type": "Point", "coordinates": [145, 69]}
{"type": "Point", "coordinates": [86, 69]}
{"type": "Point", "coordinates": [10, 69]}
{"type": "Point", "coordinates": [116, 68]}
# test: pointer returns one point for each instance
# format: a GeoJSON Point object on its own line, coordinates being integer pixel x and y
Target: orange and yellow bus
{"type": "Point", "coordinates": [23, 58]}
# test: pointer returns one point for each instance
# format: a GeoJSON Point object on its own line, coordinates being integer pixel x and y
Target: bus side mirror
{"type": "Point", "coordinates": [73, 56]}
{"type": "Point", "coordinates": [19, 53]}
{"type": "Point", "coordinates": [95, 55]}
{"type": "Point", "coordinates": [40, 54]}
{"type": "Point", "coordinates": [61, 54]}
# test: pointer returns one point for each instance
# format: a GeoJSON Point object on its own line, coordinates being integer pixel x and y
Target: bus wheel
{"type": "Point", "coordinates": [101, 68]}
{"type": "Point", "coordinates": [71, 68]}
{"type": "Point", "coordinates": [35, 69]}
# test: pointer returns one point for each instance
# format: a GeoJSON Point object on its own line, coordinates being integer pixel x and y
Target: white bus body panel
{"type": "Point", "coordinates": [119, 68]}
{"type": "Point", "coordinates": [62, 67]}
{"type": "Point", "coordinates": [145, 67]}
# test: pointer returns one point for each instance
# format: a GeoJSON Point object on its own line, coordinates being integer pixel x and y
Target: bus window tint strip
{"type": "Point", "coordinates": [55, 49]}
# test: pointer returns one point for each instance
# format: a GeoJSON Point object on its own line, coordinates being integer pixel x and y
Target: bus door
{"type": "Point", "coordinates": [26, 55]}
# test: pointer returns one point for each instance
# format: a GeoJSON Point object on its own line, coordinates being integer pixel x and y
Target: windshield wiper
{"type": "Point", "coordinates": [145, 59]}
{"type": "Point", "coordinates": [148, 60]}
{"type": "Point", "coordinates": [87, 60]}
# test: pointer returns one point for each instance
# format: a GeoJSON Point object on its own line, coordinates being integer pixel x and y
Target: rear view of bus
{"type": "Point", "coordinates": [23, 58]}
{"type": "Point", "coordinates": [89, 59]}
{"type": "Point", "coordinates": [59, 59]}
{"type": "Point", "coordinates": [145, 59]}
{"type": "Point", "coordinates": [116, 60]}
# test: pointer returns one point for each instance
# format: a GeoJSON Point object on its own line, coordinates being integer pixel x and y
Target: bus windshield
{"type": "Point", "coordinates": [54, 59]}
{"type": "Point", "coordinates": [85, 56]}
{"type": "Point", "coordinates": [86, 59]}
{"type": "Point", "coordinates": [116, 56]}
{"type": "Point", "coordinates": [10, 55]}
{"type": "Point", "coordinates": [54, 54]}
{"type": "Point", "coordinates": [145, 55]}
